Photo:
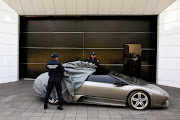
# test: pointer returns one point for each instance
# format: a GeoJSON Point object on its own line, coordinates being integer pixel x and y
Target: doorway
{"type": "Point", "coordinates": [132, 60]}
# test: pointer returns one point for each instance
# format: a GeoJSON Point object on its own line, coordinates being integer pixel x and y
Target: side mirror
{"type": "Point", "coordinates": [117, 83]}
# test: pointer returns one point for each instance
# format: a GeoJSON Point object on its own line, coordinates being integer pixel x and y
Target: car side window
{"type": "Point", "coordinates": [102, 79]}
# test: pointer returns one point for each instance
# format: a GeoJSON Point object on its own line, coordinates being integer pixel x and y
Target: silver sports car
{"type": "Point", "coordinates": [120, 90]}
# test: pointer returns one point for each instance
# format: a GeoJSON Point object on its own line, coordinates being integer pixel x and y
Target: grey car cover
{"type": "Point", "coordinates": [75, 74]}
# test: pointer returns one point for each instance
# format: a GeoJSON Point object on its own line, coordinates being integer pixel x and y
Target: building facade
{"type": "Point", "coordinates": [31, 30]}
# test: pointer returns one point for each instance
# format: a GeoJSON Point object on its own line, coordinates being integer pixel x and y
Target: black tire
{"type": "Point", "coordinates": [142, 94]}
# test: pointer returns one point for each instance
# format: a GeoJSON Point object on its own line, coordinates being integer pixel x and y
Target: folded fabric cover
{"type": "Point", "coordinates": [75, 74]}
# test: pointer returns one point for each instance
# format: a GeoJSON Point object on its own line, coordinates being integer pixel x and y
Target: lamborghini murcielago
{"type": "Point", "coordinates": [120, 90]}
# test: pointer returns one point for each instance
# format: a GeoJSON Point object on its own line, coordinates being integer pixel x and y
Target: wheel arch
{"type": "Point", "coordinates": [128, 94]}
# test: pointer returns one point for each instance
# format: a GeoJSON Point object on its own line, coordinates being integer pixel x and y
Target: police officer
{"type": "Point", "coordinates": [137, 66]}
{"type": "Point", "coordinates": [55, 72]}
{"type": "Point", "coordinates": [93, 59]}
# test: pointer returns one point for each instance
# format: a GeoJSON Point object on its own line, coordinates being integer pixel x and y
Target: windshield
{"type": "Point", "coordinates": [131, 80]}
{"type": "Point", "coordinates": [124, 77]}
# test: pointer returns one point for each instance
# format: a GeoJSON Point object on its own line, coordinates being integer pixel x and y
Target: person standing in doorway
{"type": "Point", "coordinates": [137, 66]}
{"type": "Point", "coordinates": [55, 72]}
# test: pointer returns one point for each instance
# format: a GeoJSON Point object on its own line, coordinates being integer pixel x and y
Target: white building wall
{"type": "Point", "coordinates": [9, 32]}
{"type": "Point", "coordinates": [168, 54]}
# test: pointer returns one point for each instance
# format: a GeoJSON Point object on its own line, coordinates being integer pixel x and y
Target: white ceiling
{"type": "Point", "coordinates": [89, 7]}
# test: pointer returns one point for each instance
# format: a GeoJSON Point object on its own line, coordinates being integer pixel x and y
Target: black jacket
{"type": "Point", "coordinates": [54, 68]}
{"type": "Point", "coordinates": [95, 61]}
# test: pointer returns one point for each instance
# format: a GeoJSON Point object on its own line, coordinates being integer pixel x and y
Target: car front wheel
{"type": "Point", "coordinates": [139, 100]}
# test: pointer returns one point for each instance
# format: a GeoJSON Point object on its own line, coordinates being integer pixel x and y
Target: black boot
{"type": "Point", "coordinates": [45, 106]}
{"type": "Point", "coordinates": [60, 107]}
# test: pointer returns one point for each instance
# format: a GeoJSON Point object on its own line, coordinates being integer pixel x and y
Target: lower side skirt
{"type": "Point", "coordinates": [98, 101]}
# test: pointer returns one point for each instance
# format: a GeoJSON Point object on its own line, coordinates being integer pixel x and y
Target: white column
{"type": "Point", "coordinates": [9, 37]}
{"type": "Point", "coordinates": [168, 57]}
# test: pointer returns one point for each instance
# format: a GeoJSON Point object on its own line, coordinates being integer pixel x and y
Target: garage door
{"type": "Point", "coordinates": [74, 38]}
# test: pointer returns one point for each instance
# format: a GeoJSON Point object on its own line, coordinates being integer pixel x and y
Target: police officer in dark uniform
{"type": "Point", "coordinates": [137, 66]}
{"type": "Point", "coordinates": [55, 72]}
{"type": "Point", "coordinates": [93, 59]}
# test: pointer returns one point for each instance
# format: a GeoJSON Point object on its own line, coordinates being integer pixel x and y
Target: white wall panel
{"type": "Point", "coordinates": [169, 28]}
{"type": "Point", "coordinates": [12, 78]}
{"type": "Point", "coordinates": [116, 6]}
{"type": "Point", "coordinates": [3, 61]}
{"type": "Point", "coordinates": [139, 7]}
{"type": "Point", "coordinates": [8, 49]}
{"type": "Point", "coordinates": [168, 57]}
{"type": "Point", "coordinates": [12, 60]}
{"type": "Point", "coordinates": [9, 23]}
{"type": "Point", "coordinates": [161, 18]}
{"type": "Point", "coordinates": [8, 38]}
{"type": "Point", "coordinates": [7, 27]}
{"type": "Point", "coordinates": [59, 7]}
{"type": "Point", "coordinates": [10, 17]}
{"type": "Point", "coordinates": [4, 80]}
{"type": "Point", "coordinates": [82, 7]}
{"type": "Point", "coordinates": [8, 61]}
{"type": "Point", "coordinates": [3, 72]}
{"type": "Point", "coordinates": [127, 7]}
{"type": "Point", "coordinates": [8, 79]}
{"type": "Point", "coordinates": [49, 7]}
{"type": "Point", "coordinates": [169, 83]}
{"type": "Point", "coordinates": [169, 51]}
{"type": "Point", "coordinates": [105, 6]}
{"type": "Point", "coordinates": [70, 7]}
{"type": "Point", "coordinates": [12, 71]}
{"type": "Point", "coordinates": [12, 50]}
{"type": "Point", "coordinates": [172, 16]}
{"type": "Point", "coordinates": [169, 63]}
{"type": "Point", "coordinates": [172, 74]}
{"type": "Point", "coordinates": [15, 18]}
{"type": "Point", "coordinates": [93, 7]}
{"type": "Point", "coordinates": [169, 40]}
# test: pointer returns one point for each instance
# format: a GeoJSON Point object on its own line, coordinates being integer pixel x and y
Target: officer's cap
{"type": "Point", "coordinates": [55, 55]}
{"type": "Point", "coordinates": [93, 53]}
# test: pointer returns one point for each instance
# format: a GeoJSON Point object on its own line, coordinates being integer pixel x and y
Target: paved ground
{"type": "Point", "coordinates": [17, 102]}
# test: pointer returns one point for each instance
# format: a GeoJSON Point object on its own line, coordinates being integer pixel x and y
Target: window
{"type": "Point", "coordinates": [102, 79]}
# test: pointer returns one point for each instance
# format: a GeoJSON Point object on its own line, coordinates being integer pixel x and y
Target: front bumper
{"type": "Point", "coordinates": [165, 104]}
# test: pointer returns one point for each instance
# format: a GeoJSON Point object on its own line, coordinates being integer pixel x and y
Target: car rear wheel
{"type": "Point", "coordinates": [139, 100]}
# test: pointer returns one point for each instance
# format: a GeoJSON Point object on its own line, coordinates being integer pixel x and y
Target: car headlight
{"type": "Point", "coordinates": [161, 92]}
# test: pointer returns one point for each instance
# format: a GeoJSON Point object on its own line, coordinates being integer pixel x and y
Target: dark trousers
{"type": "Point", "coordinates": [54, 81]}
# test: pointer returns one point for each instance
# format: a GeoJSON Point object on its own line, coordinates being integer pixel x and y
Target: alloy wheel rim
{"type": "Point", "coordinates": [139, 100]}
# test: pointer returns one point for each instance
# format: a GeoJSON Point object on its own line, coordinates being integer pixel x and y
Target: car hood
{"type": "Point", "coordinates": [157, 89]}
{"type": "Point", "coordinates": [145, 84]}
